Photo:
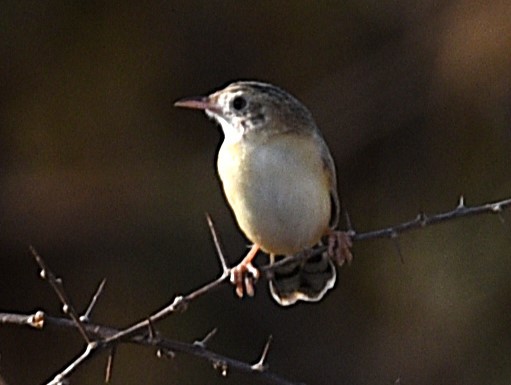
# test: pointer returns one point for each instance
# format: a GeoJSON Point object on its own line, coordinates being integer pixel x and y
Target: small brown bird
{"type": "Point", "coordinates": [279, 179]}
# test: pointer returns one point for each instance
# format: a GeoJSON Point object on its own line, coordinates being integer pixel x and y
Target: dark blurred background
{"type": "Point", "coordinates": [106, 179]}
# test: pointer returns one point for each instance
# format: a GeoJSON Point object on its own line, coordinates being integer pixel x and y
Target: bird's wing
{"type": "Point", "coordinates": [328, 164]}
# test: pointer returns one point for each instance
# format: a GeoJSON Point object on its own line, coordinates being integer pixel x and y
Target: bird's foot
{"type": "Point", "coordinates": [339, 247]}
{"type": "Point", "coordinates": [243, 277]}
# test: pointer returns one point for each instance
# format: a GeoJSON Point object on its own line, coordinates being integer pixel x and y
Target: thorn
{"type": "Point", "coordinates": [349, 224]}
{"type": "Point", "coordinates": [503, 221]}
{"type": "Point", "coordinates": [218, 246]}
{"type": "Point", "coordinates": [221, 367]}
{"type": "Point", "coordinates": [92, 345]}
{"type": "Point", "coordinates": [109, 365]}
{"type": "Point", "coordinates": [461, 203]}
{"type": "Point", "coordinates": [180, 304]}
{"type": "Point", "coordinates": [421, 218]}
{"type": "Point", "coordinates": [203, 343]}
{"type": "Point", "coordinates": [42, 274]}
{"type": "Point", "coordinates": [150, 326]}
{"type": "Point", "coordinates": [165, 353]}
{"type": "Point", "coordinates": [496, 208]}
{"type": "Point", "coordinates": [65, 308]}
{"type": "Point", "coordinates": [261, 366]}
{"type": "Point", "coordinates": [397, 245]}
{"type": "Point", "coordinates": [36, 320]}
{"type": "Point", "coordinates": [86, 316]}
{"type": "Point", "coordinates": [59, 380]}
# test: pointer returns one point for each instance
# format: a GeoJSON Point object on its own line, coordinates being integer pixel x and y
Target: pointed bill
{"type": "Point", "coordinates": [195, 102]}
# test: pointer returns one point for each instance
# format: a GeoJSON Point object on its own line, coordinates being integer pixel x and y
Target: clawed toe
{"type": "Point", "coordinates": [243, 277]}
{"type": "Point", "coordinates": [339, 247]}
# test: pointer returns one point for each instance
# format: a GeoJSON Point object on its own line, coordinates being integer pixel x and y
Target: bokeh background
{"type": "Point", "coordinates": [106, 179]}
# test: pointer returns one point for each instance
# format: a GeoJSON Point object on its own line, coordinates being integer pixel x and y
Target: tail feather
{"type": "Point", "coordinates": [302, 281]}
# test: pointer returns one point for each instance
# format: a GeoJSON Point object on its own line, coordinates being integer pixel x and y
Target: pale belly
{"type": "Point", "coordinates": [278, 192]}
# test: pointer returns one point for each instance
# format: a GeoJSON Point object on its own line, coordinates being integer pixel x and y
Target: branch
{"type": "Point", "coordinates": [421, 220]}
{"type": "Point", "coordinates": [102, 332]}
{"type": "Point", "coordinates": [142, 332]}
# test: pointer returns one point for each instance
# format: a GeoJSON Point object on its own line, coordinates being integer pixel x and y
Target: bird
{"type": "Point", "coordinates": [279, 179]}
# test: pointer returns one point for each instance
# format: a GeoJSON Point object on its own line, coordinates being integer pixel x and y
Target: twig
{"type": "Point", "coordinates": [86, 316]}
{"type": "Point", "coordinates": [110, 364]}
{"type": "Point", "coordinates": [60, 378]}
{"type": "Point", "coordinates": [218, 245]}
{"type": "Point", "coordinates": [423, 220]}
{"type": "Point", "coordinates": [100, 332]}
{"type": "Point", "coordinates": [134, 332]}
{"type": "Point", "coordinates": [180, 303]}
{"type": "Point", "coordinates": [204, 342]}
{"type": "Point", "coordinates": [261, 364]}
{"type": "Point", "coordinates": [56, 284]}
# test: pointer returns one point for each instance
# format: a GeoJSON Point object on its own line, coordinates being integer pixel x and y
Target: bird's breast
{"type": "Point", "coordinates": [278, 190]}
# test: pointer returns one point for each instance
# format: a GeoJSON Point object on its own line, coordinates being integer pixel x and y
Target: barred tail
{"type": "Point", "coordinates": [302, 281]}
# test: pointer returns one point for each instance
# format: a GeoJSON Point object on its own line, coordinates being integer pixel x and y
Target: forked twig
{"type": "Point", "coordinates": [99, 332]}
{"type": "Point", "coordinates": [58, 288]}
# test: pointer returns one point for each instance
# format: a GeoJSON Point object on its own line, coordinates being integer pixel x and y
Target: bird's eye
{"type": "Point", "coordinates": [239, 103]}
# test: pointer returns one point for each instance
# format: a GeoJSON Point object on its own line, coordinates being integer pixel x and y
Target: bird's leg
{"type": "Point", "coordinates": [244, 274]}
{"type": "Point", "coordinates": [339, 246]}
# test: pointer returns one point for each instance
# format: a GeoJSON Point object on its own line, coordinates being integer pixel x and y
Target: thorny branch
{"type": "Point", "coordinates": [196, 349]}
{"type": "Point", "coordinates": [423, 220]}
{"type": "Point", "coordinates": [100, 337]}
{"type": "Point", "coordinates": [393, 232]}
{"type": "Point", "coordinates": [56, 284]}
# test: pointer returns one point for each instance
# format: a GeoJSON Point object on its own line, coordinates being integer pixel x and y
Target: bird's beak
{"type": "Point", "coordinates": [198, 103]}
